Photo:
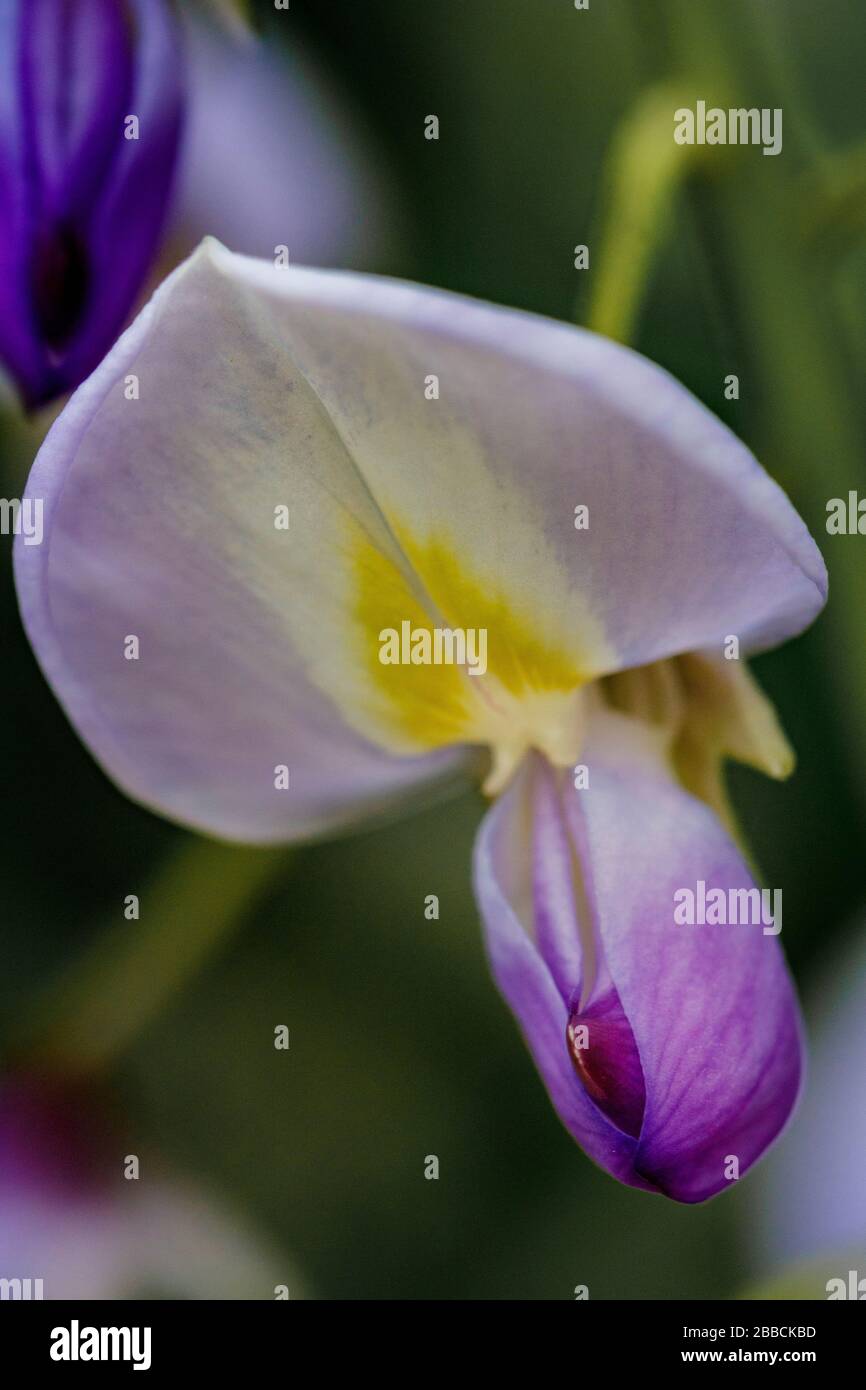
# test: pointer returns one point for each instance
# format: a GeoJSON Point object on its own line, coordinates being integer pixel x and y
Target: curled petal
{"type": "Point", "coordinates": [541, 1002]}
{"type": "Point", "coordinates": [691, 1054]}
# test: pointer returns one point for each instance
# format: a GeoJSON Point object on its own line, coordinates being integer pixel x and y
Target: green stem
{"type": "Point", "coordinates": [644, 169]}
{"type": "Point", "coordinates": [133, 969]}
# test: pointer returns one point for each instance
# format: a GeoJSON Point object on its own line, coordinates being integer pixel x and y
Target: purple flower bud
{"type": "Point", "coordinates": [90, 119]}
{"type": "Point", "coordinates": [684, 1061]}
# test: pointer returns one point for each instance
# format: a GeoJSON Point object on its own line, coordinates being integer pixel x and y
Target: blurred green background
{"type": "Point", "coordinates": [400, 1046]}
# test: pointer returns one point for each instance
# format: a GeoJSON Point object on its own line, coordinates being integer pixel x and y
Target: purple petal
{"type": "Point", "coordinates": [76, 73]}
{"type": "Point", "coordinates": [81, 206]}
{"type": "Point", "coordinates": [608, 1062]}
{"type": "Point", "coordinates": [123, 231]}
{"type": "Point", "coordinates": [19, 347]}
{"type": "Point", "coordinates": [502, 874]}
{"type": "Point", "coordinates": [693, 1055]}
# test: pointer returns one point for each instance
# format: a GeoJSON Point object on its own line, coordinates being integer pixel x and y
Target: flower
{"type": "Point", "coordinates": [271, 156]}
{"type": "Point", "coordinates": [811, 1202]}
{"type": "Point", "coordinates": [320, 463]}
{"type": "Point", "coordinates": [76, 1224]}
{"type": "Point", "coordinates": [89, 134]}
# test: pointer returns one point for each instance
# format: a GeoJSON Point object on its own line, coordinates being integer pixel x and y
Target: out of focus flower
{"type": "Point", "coordinates": [329, 477]}
{"type": "Point", "coordinates": [73, 1217]}
{"type": "Point", "coordinates": [811, 1201]}
{"type": "Point", "coordinates": [270, 157]}
{"type": "Point", "coordinates": [90, 120]}
{"type": "Point", "coordinates": [99, 192]}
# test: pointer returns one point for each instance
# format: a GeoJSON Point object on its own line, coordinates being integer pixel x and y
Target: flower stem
{"type": "Point", "coordinates": [644, 169]}
{"type": "Point", "coordinates": [133, 969]}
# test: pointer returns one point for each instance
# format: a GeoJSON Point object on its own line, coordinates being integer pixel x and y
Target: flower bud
{"type": "Point", "coordinates": [89, 129]}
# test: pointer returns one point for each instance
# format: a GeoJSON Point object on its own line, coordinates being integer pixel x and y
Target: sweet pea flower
{"type": "Point", "coordinates": [73, 1226]}
{"type": "Point", "coordinates": [90, 121]}
{"type": "Point", "coordinates": [319, 464]}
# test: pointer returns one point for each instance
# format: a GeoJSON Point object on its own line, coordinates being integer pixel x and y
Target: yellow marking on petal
{"type": "Point", "coordinates": [429, 705]}
{"type": "Point", "coordinates": [517, 657]}
{"type": "Point", "coordinates": [527, 696]}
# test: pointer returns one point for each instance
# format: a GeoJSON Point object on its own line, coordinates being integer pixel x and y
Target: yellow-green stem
{"type": "Point", "coordinates": [644, 169]}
